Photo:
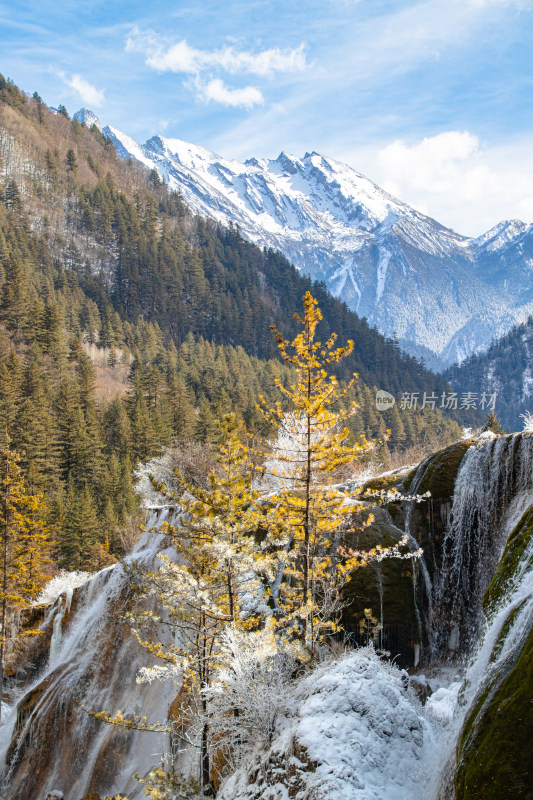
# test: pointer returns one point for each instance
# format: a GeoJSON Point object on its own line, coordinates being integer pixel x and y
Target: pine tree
{"type": "Point", "coordinates": [206, 428]}
{"type": "Point", "coordinates": [492, 423]}
{"type": "Point", "coordinates": [81, 528]}
{"type": "Point", "coordinates": [72, 161]}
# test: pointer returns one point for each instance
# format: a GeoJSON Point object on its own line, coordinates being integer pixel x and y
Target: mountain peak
{"type": "Point", "coordinates": [87, 117]}
{"type": "Point", "coordinates": [501, 234]}
{"type": "Point", "coordinates": [406, 273]}
{"type": "Point", "coordinates": [287, 162]}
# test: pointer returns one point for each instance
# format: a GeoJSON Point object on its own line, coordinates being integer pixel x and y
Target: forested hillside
{"type": "Point", "coordinates": [126, 323]}
{"type": "Point", "coordinates": [505, 369]}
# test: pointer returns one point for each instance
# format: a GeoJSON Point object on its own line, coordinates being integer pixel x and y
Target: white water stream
{"type": "Point", "coordinates": [94, 661]}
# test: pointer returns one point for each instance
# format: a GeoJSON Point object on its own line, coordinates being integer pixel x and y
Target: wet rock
{"type": "Point", "coordinates": [494, 753]}
{"type": "Point", "coordinates": [421, 687]}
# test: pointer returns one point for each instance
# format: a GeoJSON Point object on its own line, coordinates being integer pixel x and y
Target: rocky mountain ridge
{"type": "Point", "coordinates": [438, 292]}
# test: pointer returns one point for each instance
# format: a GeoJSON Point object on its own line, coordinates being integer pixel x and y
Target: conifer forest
{"type": "Point", "coordinates": [253, 544]}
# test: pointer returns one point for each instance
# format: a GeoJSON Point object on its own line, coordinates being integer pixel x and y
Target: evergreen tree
{"type": "Point", "coordinates": [71, 160]}
{"type": "Point", "coordinates": [492, 423]}
{"type": "Point", "coordinates": [81, 528]}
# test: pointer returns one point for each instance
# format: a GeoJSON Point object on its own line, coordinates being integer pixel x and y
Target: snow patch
{"type": "Point", "coordinates": [354, 731]}
{"type": "Point", "coordinates": [442, 704]}
{"type": "Point", "coordinates": [65, 582]}
{"type": "Point", "coordinates": [383, 265]}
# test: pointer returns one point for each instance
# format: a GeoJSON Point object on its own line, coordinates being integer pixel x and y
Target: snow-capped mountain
{"type": "Point", "coordinates": [407, 274]}
{"type": "Point", "coordinates": [87, 117]}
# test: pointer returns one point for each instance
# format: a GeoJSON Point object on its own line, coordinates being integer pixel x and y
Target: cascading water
{"type": "Point", "coordinates": [493, 490]}
{"type": "Point", "coordinates": [47, 741]}
{"type": "Point", "coordinates": [493, 485]}
{"type": "Point", "coordinates": [500, 645]}
{"type": "Point", "coordinates": [65, 603]}
{"type": "Point", "coordinates": [50, 743]}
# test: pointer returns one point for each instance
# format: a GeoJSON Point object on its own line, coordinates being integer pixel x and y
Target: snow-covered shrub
{"type": "Point", "coordinates": [353, 730]}
{"type": "Point", "coordinates": [251, 691]}
{"type": "Point", "coordinates": [528, 422]}
{"type": "Point", "coordinates": [194, 461]}
{"type": "Point", "coordinates": [65, 580]}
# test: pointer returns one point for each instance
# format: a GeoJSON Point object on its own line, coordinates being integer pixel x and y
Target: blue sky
{"type": "Point", "coordinates": [431, 99]}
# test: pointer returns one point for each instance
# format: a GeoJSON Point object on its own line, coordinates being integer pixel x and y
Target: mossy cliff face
{"type": "Point", "coordinates": [428, 520]}
{"type": "Point", "coordinates": [399, 598]}
{"type": "Point", "coordinates": [386, 588]}
{"type": "Point", "coordinates": [494, 754]}
{"type": "Point", "coordinates": [518, 544]}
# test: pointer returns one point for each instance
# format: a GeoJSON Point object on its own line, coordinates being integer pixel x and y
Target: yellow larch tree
{"type": "Point", "coordinates": [212, 582]}
{"type": "Point", "coordinates": [25, 543]}
{"type": "Point", "coordinates": [311, 447]}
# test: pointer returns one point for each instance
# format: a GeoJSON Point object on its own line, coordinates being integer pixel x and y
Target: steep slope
{"type": "Point", "coordinates": [351, 728]}
{"type": "Point", "coordinates": [137, 251]}
{"type": "Point", "coordinates": [506, 369]}
{"type": "Point", "coordinates": [406, 273]}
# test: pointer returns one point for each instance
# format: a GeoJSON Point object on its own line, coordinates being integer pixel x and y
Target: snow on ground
{"type": "Point", "coordinates": [354, 731]}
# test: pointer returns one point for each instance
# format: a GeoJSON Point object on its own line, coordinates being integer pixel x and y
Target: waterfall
{"type": "Point", "coordinates": [505, 633]}
{"type": "Point", "coordinates": [493, 490]}
{"type": "Point", "coordinates": [493, 475]}
{"type": "Point", "coordinates": [47, 741]}
{"type": "Point", "coordinates": [493, 486]}
{"type": "Point", "coordinates": [65, 603]}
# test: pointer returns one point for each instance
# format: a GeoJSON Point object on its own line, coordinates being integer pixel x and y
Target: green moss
{"type": "Point", "coordinates": [385, 483]}
{"type": "Point", "coordinates": [441, 471]}
{"type": "Point", "coordinates": [514, 550]}
{"type": "Point", "coordinates": [506, 627]}
{"type": "Point", "coordinates": [495, 752]}
{"type": "Point", "coordinates": [469, 723]}
{"type": "Point", "coordinates": [393, 577]}
{"type": "Point", "coordinates": [409, 479]}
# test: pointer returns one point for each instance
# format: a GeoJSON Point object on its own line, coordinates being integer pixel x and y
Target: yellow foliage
{"type": "Point", "coordinates": [25, 545]}
{"type": "Point", "coordinates": [311, 509]}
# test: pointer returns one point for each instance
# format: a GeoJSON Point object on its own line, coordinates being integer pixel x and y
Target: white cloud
{"type": "Point", "coordinates": [215, 90]}
{"type": "Point", "coordinates": [457, 180]}
{"type": "Point", "coordinates": [203, 66]}
{"type": "Point", "coordinates": [437, 164]}
{"type": "Point", "coordinates": [90, 95]}
{"type": "Point", "coordinates": [181, 57]}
